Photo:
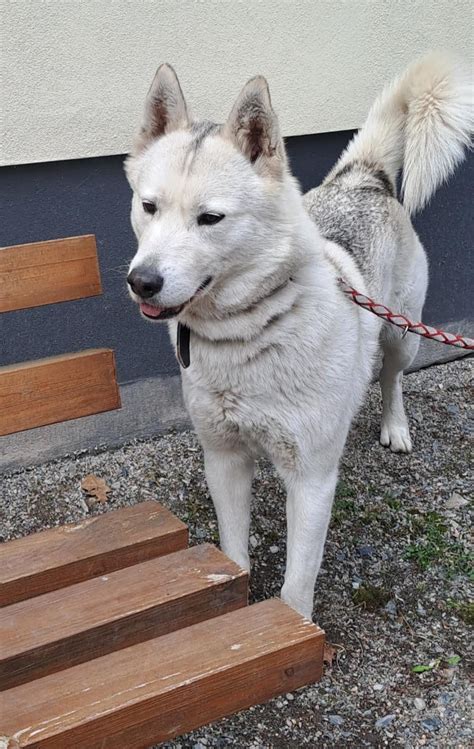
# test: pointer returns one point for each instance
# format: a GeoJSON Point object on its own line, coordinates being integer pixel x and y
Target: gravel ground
{"type": "Point", "coordinates": [393, 593]}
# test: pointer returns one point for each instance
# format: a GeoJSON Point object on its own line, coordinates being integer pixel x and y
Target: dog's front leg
{"type": "Point", "coordinates": [229, 477]}
{"type": "Point", "coordinates": [309, 501]}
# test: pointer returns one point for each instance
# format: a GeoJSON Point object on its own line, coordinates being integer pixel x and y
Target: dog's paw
{"type": "Point", "coordinates": [396, 437]}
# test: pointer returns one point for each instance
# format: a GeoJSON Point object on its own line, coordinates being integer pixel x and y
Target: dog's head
{"type": "Point", "coordinates": [208, 200]}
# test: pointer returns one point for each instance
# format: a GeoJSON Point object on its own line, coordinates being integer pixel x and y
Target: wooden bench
{"type": "Point", "coordinates": [114, 634]}
{"type": "Point", "coordinates": [58, 388]}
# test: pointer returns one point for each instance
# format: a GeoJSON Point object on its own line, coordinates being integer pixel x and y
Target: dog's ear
{"type": "Point", "coordinates": [165, 108]}
{"type": "Point", "coordinates": [253, 127]}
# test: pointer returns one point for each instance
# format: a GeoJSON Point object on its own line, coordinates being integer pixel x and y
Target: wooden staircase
{"type": "Point", "coordinates": [115, 635]}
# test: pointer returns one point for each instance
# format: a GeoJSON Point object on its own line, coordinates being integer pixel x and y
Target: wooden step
{"type": "Point", "coordinates": [68, 554]}
{"type": "Point", "coordinates": [83, 621]}
{"type": "Point", "coordinates": [158, 689]}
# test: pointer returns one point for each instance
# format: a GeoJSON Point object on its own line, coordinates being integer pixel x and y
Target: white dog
{"type": "Point", "coordinates": [275, 359]}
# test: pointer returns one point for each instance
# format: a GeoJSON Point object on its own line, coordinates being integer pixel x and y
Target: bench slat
{"type": "Point", "coordinates": [40, 273]}
{"type": "Point", "coordinates": [58, 388]}
{"type": "Point", "coordinates": [68, 554]}
{"type": "Point", "coordinates": [83, 621]}
{"type": "Point", "coordinates": [161, 688]}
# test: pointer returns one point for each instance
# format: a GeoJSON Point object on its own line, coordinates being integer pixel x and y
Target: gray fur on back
{"type": "Point", "coordinates": [352, 209]}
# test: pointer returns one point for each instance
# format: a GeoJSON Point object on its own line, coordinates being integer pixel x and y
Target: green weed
{"type": "Point", "coordinates": [463, 609]}
{"type": "Point", "coordinates": [433, 545]}
{"type": "Point", "coordinates": [371, 597]}
{"type": "Point", "coordinates": [343, 489]}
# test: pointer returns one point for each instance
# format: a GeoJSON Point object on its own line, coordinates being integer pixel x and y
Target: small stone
{"type": "Point", "coordinates": [290, 696]}
{"type": "Point", "coordinates": [336, 720]}
{"type": "Point", "coordinates": [378, 687]}
{"type": "Point", "coordinates": [385, 721]}
{"type": "Point", "coordinates": [444, 698]}
{"type": "Point", "coordinates": [468, 428]}
{"type": "Point", "coordinates": [421, 610]}
{"type": "Point", "coordinates": [431, 724]}
{"type": "Point", "coordinates": [274, 549]}
{"type": "Point", "coordinates": [254, 542]}
{"type": "Point", "coordinates": [366, 552]}
{"type": "Point", "coordinates": [446, 674]}
{"type": "Point", "coordinates": [453, 409]}
{"type": "Point", "coordinates": [391, 608]}
{"type": "Point", "coordinates": [455, 502]}
{"type": "Point", "coordinates": [84, 504]}
{"type": "Point", "coordinates": [419, 703]}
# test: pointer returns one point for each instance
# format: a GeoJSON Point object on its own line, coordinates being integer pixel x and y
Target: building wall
{"type": "Point", "coordinates": [74, 73]}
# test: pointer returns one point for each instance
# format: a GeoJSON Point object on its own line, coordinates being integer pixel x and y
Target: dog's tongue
{"type": "Point", "coordinates": [147, 309]}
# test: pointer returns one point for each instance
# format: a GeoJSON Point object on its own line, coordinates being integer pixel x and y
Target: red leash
{"type": "Point", "coordinates": [403, 322]}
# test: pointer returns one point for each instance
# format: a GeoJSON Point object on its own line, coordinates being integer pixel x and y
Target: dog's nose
{"type": "Point", "coordinates": [145, 283]}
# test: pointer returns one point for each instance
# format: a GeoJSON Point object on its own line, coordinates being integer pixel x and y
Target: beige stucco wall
{"type": "Point", "coordinates": [74, 72]}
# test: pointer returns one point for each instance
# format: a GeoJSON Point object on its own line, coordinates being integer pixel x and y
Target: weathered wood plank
{"type": "Point", "coordinates": [161, 688]}
{"type": "Point", "coordinates": [68, 554]}
{"type": "Point", "coordinates": [58, 388]}
{"type": "Point", "coordinates": [83, 621]}
{"type": "Point", "coordinates": [47, 272]}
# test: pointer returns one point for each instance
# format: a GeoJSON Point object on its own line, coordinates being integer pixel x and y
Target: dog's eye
{"type": "Point", "coordinates": [149, 207]}
{"type": "Point", "coordinates": [208, 219]}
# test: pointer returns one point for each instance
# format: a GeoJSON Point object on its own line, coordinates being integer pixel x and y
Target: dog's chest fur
{"type": "Point", "coordinates": [229, 418]}
{"type": "Point", "coordinates": [236, 395]}
{"type": "Point", "coordinates": [278, 393]}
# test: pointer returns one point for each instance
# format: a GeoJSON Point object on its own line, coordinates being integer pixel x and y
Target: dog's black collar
{"type": "Point", "coordinates": [183, 335]}
{"type": "Point", "coordinates": [182, 345]}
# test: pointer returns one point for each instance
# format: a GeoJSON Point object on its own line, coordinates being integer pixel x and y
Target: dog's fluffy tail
{"type": "Point", "coordinates": [421, 123]}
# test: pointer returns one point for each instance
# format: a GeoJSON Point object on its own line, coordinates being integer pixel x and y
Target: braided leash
{"type": "Point", "coordinates": [403, 322]}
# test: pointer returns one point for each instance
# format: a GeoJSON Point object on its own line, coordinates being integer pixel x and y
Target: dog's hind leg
{"type": "Point", "coordinates": [398, 355]}
{"type": "Point", "coordinates": [309, 501]}
{"type": "Point", "coordinates": [229, 477]}
{"type": "Point", "coordinates": [399, 351]}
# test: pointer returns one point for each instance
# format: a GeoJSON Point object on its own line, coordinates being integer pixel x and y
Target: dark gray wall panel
{"type": "Point", "coordinates": [47, 201]}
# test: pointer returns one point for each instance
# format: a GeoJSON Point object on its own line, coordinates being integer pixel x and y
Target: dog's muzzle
{"type": "Point", "coordinates": [145, 285]}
